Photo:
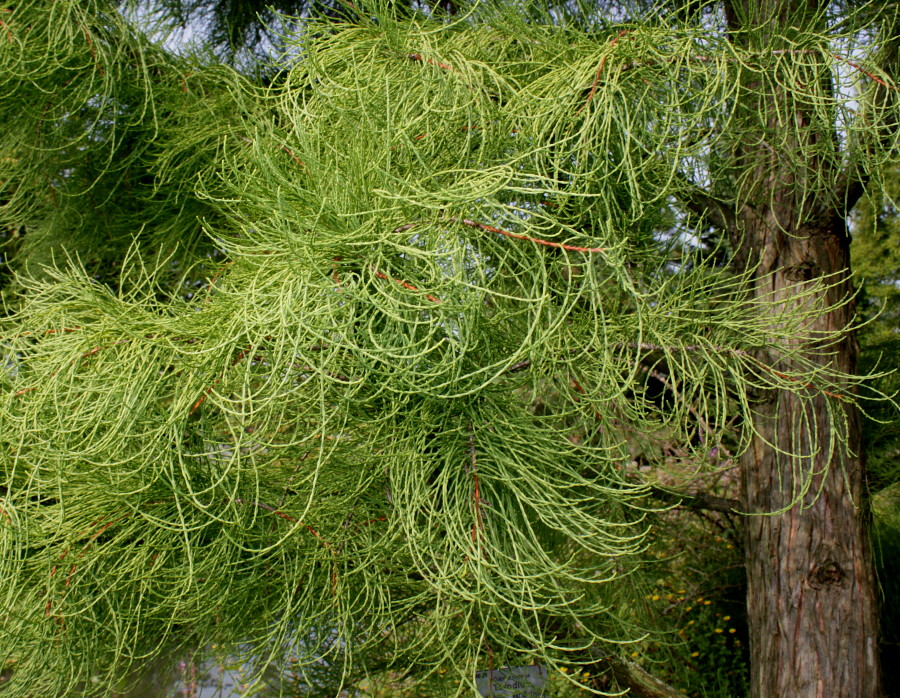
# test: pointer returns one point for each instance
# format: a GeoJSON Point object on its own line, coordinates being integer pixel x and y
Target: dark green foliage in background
{"type": "Point", "coordinates": [876, 264]}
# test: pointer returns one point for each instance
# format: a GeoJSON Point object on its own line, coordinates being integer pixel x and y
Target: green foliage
{"type": "Point", "coordinates": [699, 601]}
{"type": "Point", "coordinates": [886, 546]}
{"type": "Point", "coordinates": [876, 241]}
{"type": "Point", "coordinates": [876, 267]}
{"type": "Point", "coordinates": [87, 167]}
{"type": "Point", "coordinates": [304, 418]}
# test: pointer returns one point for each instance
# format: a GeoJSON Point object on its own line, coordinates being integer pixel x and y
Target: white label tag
{"type": "Point", "coordinates": [512, 682]}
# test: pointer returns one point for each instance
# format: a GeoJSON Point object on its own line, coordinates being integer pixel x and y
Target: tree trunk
{"type": "Point", "coordinates": [811, 599]}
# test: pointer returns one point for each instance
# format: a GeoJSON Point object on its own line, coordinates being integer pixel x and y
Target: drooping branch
{"type": "Point", "coordinates": [852, 183]}
{"type": "Point", "coordinates": [699, 202]}
{"type": "Point", "coordinates": [506, 233]}
{"type": "Point", "coordinates": [696, 500]}
{"type": "Point", "coordinates": [636, 679]}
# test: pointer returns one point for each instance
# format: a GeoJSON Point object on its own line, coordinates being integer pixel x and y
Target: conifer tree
{"type": "Point", "coordinates": [343, 373]}
{"type": "Point", "coordinates": [876, 268]}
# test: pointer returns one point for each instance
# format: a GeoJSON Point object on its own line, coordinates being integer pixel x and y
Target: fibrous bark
{"type": "Point", "coordinates": [812, 605]}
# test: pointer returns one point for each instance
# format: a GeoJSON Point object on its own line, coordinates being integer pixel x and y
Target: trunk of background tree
{"type": "Point", "coordinates": [811, 599]}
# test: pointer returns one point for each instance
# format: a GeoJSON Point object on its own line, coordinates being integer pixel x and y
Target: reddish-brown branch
{"type": "Point", "coordinates": [202, 398]}
{"type": "Point", "coordinates": [417, 57]}
{"type": "Point", "coordinates": [519, 236]}
{"type": "Point", "coordinates": [94, 537]}
{"type": "Point", "coordinates": [478, 524]}
{"type": "Point", "coordinates": [334, 274]}
{"type": "Point", "coordinates": [492, 229]}
{"type": "Point", "coordinates": [89, 352]}
{"type": "Point", "coordinates": [32, 334]}
{"type": "Point", "coordinates": [415, 138]}
{"type": "Point", "coordinates": [52, 191]}
{"type": "Point", "coordinates": [287, 517]}
{"type": "Point", "coordinates": [405, 284]}
{"type": "Point", "coordinates": [597, 76]}
{"type": "Point", "coordinates": [375, 520]}
{"type": "Point", "coordinates": [74, 567]}
{"type": "Point", "coordinates": [380, 275]}
{"type": "Point", "coordinates": [578, 388]}
{"type": "Point", "coordinates": [90, 42]}
{"type": "Point", "coordinates": [461, 128]}
{"type": "Point", "coordinates": [236, 360]}
{"type": "Point", "coordinates": [792, 379]}
{"type": "Point", "coordinates": [215, 278]}
{"type": "Point", "coordinates": [865, 72]}
{"type": "Point", "coordinates": [284, 148]}
{"type": "Point", "coordinates": [8, 32]}
{"type": "Point", "coordinates": [293, 155]}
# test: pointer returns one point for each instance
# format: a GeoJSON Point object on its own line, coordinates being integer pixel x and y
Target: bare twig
{"type": "Point", "coordinates": [699, 500]}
